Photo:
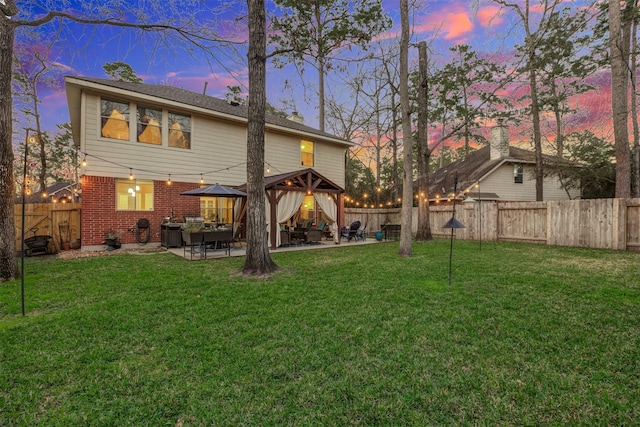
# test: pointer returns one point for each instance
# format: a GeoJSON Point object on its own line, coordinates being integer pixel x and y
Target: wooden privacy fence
{"type": "Point", "coordinates": [594, 223]}
{"type": "Point", "coordinates": [61, 221]}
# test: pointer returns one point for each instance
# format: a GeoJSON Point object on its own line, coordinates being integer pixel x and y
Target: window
{"type": "Point", "coordinates": [518, 174]}
{"type": "Point", "coordinates": [115, 119]}
{"type": "Point", "coordinates": [306, 153]}
{"type": "Point", "coordinates": [134, 195]}
{"type": "Point", "coordinates": [179, 131]}
{"type": "Point", "coordinates": [149, 125]}
{"type": "Point", "coordinates": [217, 209]}
{"type": "Point", "coordinates": [308, 209]}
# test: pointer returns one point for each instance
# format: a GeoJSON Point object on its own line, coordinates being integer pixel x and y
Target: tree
{"type": "Point", "coordinates": [424, 152]}
{"type": "Point", "coordinates": [562, 69]}
{"type": "Point", "coordinates": [596, 175]}
{"type": "Point", "coordinates": [32, 71]}
{"type": "Point", "coordinates": [63, 156]}
{"type": "Point", "coordinates": [162, 18]}
{"type": "Point", "coordinates": [359, 180]}
{"type": "Point", "coordinates": [405, 248]}
{"type": "Point", "coordinates": [258, 262]}
{"type": "Point", "coordinates": [314, 30]}
{"type": "Point", "coordinates": [466, 88]}
{"type": "Point", "coordinates": [619, 57]}
{"type": "Point", "coordinates": [532, 38]}
{"type": "Point", "coordinates": [121, 71]}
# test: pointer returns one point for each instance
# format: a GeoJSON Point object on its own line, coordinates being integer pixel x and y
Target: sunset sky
{"type": "Point", "coordinates": [481, 24]}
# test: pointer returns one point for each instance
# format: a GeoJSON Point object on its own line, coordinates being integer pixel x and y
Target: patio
{"type": "Point", "coordinates": [239, 250]}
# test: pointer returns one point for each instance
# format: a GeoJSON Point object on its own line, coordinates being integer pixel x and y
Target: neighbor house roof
{"type": "Point", "coordinates": [52, 190]}
{"type": "Point", "coordinates": [478, 164]}
{"type": "Point", "coordinates": [188, 100]}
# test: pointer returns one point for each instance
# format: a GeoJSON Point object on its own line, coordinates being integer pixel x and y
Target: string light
{"type": "Point", "coordinates": [169, 180]}
{"type": "Point", "coordinates": [84, 161]}
{"type": "Point", "coordinates": [201, 179]}
{"type": "Point", "coordinates": [130, 174]}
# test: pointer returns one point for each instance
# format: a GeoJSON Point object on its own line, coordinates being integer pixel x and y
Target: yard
{"type": "Point", "coordinates": [524, 335]}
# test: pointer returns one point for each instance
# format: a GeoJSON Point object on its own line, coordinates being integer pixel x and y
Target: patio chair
{"type": "Point", "coordinates": [351, 232]}
{"type": "Point", "coordinates": [285, 238]}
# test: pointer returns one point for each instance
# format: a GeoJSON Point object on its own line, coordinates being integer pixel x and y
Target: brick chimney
{"type": "Point", "coordinates": [499, 142]}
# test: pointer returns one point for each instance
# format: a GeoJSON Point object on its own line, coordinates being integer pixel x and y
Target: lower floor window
{"type": "Point", "coordinates": [308, 209]}
{"type": "Point", "coordinates": [134, 195]}
{"type": "Point", "coordinates": [217, 210]}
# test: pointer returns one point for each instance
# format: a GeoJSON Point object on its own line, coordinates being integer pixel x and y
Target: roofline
{"type": "Point", "coordinates": [74, 83]}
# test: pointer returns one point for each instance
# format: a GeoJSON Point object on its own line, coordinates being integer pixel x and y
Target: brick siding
{"type": "Point", "coordinates": [99, 214]}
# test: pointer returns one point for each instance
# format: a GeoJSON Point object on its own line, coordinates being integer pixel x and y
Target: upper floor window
{"type": "Point", "coordinates": [114, 119]}
{"type": "Point", "coordinates": [134, 195]}
{"type": "Point", "coordinates": [152, 125]}
{"type": "Point", "coordinates": [306, 153]}
{"type": "Point", "coordinates": [149, 125]}
{"type": "Point", "coordinates": [518, 174]}
{"type": "Point", "coordinates": [179, 130]}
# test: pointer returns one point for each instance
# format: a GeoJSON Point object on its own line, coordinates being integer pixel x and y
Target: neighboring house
{"type": "Point", "coordinates": [498, 172]}
{"type": "Point", "coordinates": [145, 144]}
{"type": "Point", "coordinates": [60, 192]}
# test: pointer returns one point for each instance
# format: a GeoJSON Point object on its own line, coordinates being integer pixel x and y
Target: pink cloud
{"type": "Point", "coordinates": [453, 23]}
{"type": "Point", "coordinates": [490, 15]}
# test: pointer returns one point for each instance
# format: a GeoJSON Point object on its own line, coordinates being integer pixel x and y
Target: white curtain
{"type": "Point", "coordinates": [287, 206]}
{"type": "Point", "coordinates": [237, 205]}
{"type": "Point", "coordinates": [330, 209]}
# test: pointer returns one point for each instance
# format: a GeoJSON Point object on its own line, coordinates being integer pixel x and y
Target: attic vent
{"type": "Point", "coordinates": [296, 117]}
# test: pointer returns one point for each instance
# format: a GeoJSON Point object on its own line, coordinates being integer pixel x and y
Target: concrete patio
{"type": "Point", "coordinates": [239, 250]}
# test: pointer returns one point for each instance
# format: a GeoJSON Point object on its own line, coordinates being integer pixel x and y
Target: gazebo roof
{"type": "Point", "coordinates": [302, 180]}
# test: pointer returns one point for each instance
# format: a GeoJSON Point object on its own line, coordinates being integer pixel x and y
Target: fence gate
{"type": "Point", "coordinates": [61, 221]}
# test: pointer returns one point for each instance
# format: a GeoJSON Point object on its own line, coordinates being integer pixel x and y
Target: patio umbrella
{"type": "Point", "coordinates": [218, 190]}
{"type": "Point", "coordinates": [215, 190]}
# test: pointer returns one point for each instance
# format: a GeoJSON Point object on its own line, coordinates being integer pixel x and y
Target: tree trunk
{"type": "Point", "coordinates": [535, 115]}
{"type": "Point", "coordinates": [619, 100]}
{"type": "Point", "coordinates": [424, 226]}
{"type": "Point", "coordinates": [321, 93]}
{"type": "Point", "coordinates": [558, 117]}
{"type": "Point", "coordinates": [634, 112]}
{"type": "Point", "coordinates": [8, 263]}
{"type": "Point", "coordinates": [405, 248]}
{"type": "Point", "coordinates": [394, 151]}
{"type": "Point", "coordinates": [257, 261]}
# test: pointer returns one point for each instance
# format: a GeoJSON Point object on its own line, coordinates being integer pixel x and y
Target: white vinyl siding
{"type": "Point", "coordinates": [218, 151]}
{"type": "Point", "coordinates": [502, 183]}
{"type": "Point", "coordinates": [282, 153]}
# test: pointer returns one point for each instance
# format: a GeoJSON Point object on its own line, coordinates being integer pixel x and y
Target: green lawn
{"type": "Point", "coordinates": [524, 335]}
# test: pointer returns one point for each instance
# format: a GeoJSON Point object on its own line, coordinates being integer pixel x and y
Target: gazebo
{"type": "Point", "coordinates": [285, 192]}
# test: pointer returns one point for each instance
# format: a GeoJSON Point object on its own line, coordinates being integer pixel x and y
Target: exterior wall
{"type": "Point", "coordinates": [217, 154]}
{"type": "Point", "coordinates": [218, 151]}
{"type": "Point", "coordinates": [282, 153]}
{"type": "Point", "coordinates": [99, 214]}
{"type": "Point", "coordinates": [501, 183]}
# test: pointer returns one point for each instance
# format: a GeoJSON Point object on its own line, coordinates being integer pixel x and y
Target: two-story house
{"type": "Point", "coordinates": [143, 145]}
{"type": "Point", "coordinates": [499, 172]}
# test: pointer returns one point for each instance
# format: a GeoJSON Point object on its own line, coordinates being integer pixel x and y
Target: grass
{"type": "Point", "coordinates": [524, 335]}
